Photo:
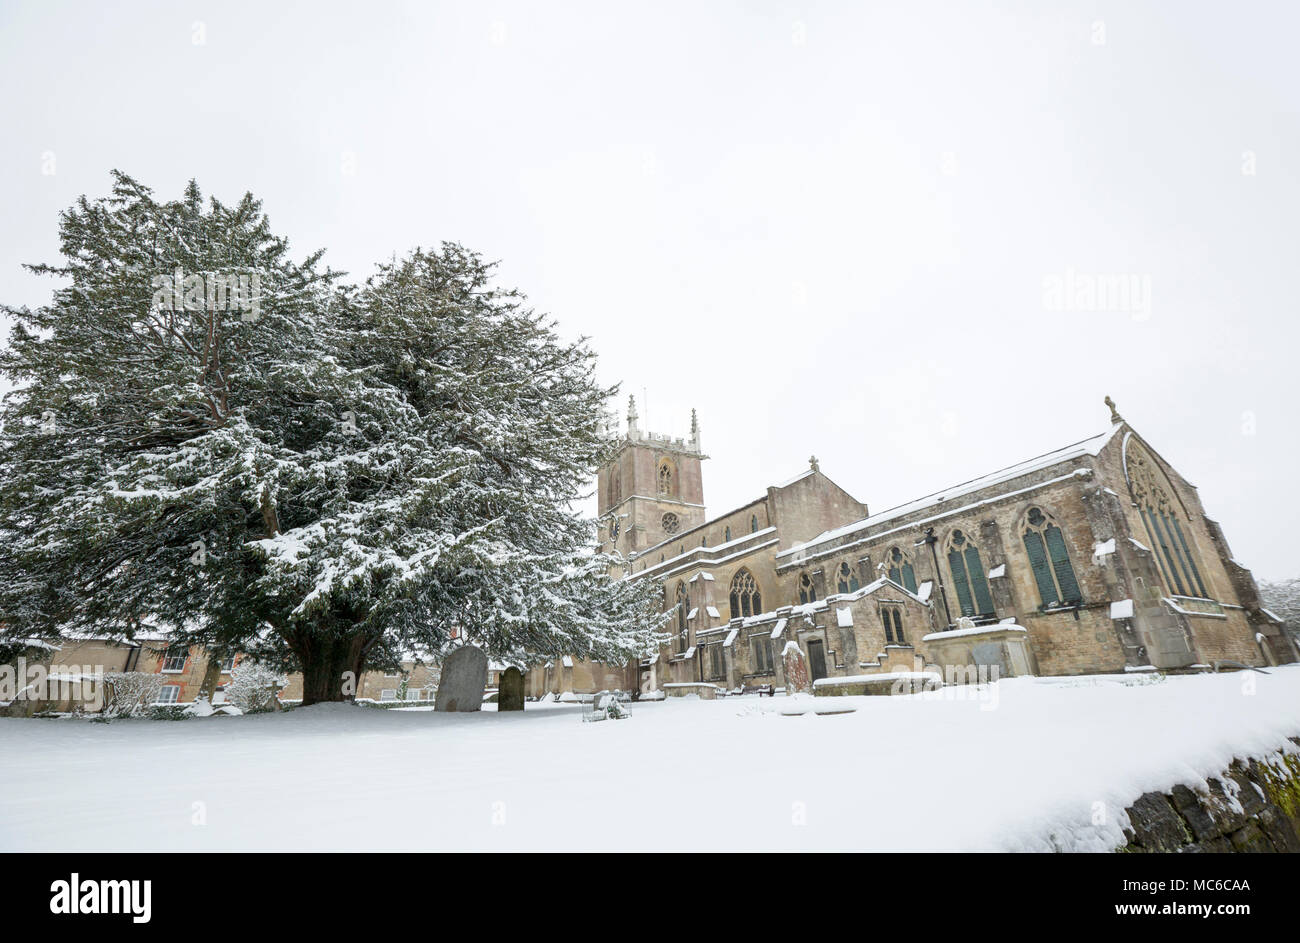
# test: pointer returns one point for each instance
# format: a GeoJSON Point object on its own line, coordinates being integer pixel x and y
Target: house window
{"type": "Point", "coordinates": [900, 570]}
{"type": "Point", "coordinates": [745, 597]}
{"type": "Point", "coordinates": [846, 579]}
{"type": "Point", "coordinates": [683, 601]}
{"type": "Point", "coordinates": [228, 664]}
{"type": "Point", "coordinates": [807, 591]}
{"type": "Point", "coordinates": [760, 648]}
{"type": "Point", "coordinates": [174, 660]}
{"type": "Point", "coordinates": [388, 694]}
{"type": "Point", "coordinates": [1045, 545]}
{"type": "Point", "coordinates": [169, 694]}
{"type": "Point", "coordinates": [413, 694]}
{"type": "Point", "coordinates": [666, 477]}
{"type": "Point", "coordinates": [968, 576]}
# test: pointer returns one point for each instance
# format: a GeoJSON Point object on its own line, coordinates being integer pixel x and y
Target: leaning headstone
{"type": "Point", "coordinates": [510, 693]}
{"type": "Point", "coordinates": [796, 669]}
{"type": "Point", "coordinates": [464, 679]}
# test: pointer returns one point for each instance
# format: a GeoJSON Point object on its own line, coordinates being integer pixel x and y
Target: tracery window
{"type": "Point", "coordinates": [846, 580]}
{"type": "Point", "coordinates": [760, 647]}
{"type": "Point", "coordinates": [1173, 545]}
{"type": "Point", "coordinates": [745, 597]}
{"type": "Point", "coordinates": [1053, 572]}
{"type": "Point", "coordinates": [900, 569]}
{"type": "Point", "coordinates": [666, 478]}
{"type": "Point", "coordinates": [670, 523]}
{"type": "Point", "coordinates": [807, 591]}
{"type": "Point", "coordinates": [968, 576]}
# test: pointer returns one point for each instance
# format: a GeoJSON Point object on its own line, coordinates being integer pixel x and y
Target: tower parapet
{"type": "Point", "coordinates": [651, 488]}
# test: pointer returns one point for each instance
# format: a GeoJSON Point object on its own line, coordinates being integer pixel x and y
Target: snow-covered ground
{"type": "Point", "coordinates": [1030, 764]}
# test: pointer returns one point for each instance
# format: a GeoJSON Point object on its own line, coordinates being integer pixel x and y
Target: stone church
{"type": "Point", "coordinates": [1096, 557]}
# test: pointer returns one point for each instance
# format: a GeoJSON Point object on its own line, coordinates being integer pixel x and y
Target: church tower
{"type": "Point", "coordinates": [651, 489]}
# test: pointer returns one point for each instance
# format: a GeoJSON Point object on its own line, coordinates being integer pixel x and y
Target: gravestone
{"type": "Point", "coordinates": [464, 679]}
{"type": "Point", "coordinates": [510, 693]}
{"type": "Point", "coordinates": [796, 669]}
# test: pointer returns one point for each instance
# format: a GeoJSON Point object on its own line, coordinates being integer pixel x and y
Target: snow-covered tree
{"type": "Point", "coordinates": [130, 693]}
{"type": "Point", "coordinates": [253, 686]}
{"type": "Point", "coordinates": [210, 436]}
{"type": "Point", "coordinates": [1282, 598]}
{"type": "Point", "coordinates": [455, 508]}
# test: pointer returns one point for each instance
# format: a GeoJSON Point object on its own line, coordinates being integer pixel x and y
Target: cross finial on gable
{"type": "Point", "coordinates": [1115, 417]}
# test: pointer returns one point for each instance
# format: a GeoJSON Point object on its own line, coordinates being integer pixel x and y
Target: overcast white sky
{"type": "Point", "coordinates": [826, 226]}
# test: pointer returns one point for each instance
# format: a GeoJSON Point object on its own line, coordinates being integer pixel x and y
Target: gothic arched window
{"type": "Point", "coordinates": [1174, 548]}
{"type": "Point", "coordinates": [753, 523]}
{"type": "Point", "coordinates": [683, 601]}
{"type": "Point", "coordinates": [968, 576]}
{"type": "Point", "coordinates": [900, 569]}
{"type": "Point", "coordinates": [667, 478]}
{"type": "Point", "coordinates": [893, 623]}
{"type": "Point", "coordinates": [726, 538]}
{"type": "Point", "coordinates": [807, 592]}
{"type": "Point", "coordinates": [1045, 545]}
{"type": "Point", "coordinates": [615, 489]}
{"type": "Point", "coordinates": [846, 581]}
{"type": "Point", "coordinates": [745, 597]}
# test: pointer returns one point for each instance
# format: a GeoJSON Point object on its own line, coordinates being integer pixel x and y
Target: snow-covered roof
{"type": "Point", "coordinates": [799, 477]}
{"type": "Point", "coordinates": [977, 630]}
{"type": "Point", "coordinates": [1087, 447]}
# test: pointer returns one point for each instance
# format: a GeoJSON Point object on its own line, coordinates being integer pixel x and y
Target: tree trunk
{"type": "Point", "coordinates": [211, 678]}
{"type": "Point", "coordinates": [325, 661]}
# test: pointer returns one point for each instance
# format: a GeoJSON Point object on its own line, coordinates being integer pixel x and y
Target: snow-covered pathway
{"type": "Point", "coordinates": [1028, 760]}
